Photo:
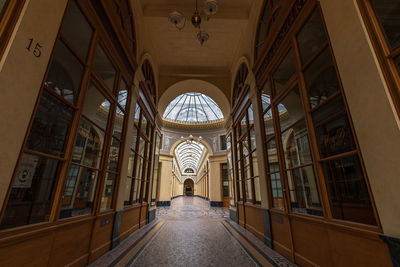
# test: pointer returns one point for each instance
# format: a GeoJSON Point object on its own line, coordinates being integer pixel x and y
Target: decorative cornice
{"type": "Point", "coordinates": [197, 125]}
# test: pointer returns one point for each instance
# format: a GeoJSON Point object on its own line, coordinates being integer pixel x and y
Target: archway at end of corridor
{"type": "Point", "coordinates": [188, 188]}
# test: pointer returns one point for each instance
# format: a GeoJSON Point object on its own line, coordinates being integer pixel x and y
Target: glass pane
{"type": "Point", "coordinates": [247, 187]}
{"type": "Point", "coordinates": [31, 194]}
{"type": "Point", "coordinates": [387, 13]}
{"type": "Point", "coordinates": [294, 109]}
{"type": "Point", "coordinates": [131, 161]}
{"type": "Point", "coordinates": [143, 127]}
{"type": "Point", "coordinates": [123, 94]}
{"type": "Point", "coordinates": [65, 74]}
{"type": "Point", "coordinates": [321, 79]}
{"type": "Point", "coordinates": [79, 192]}
{"type": "Point", "coordinates": [77, 30]}
{"type": "Point", "coordinates": [108, 190]}
{"type": "Point", "coordinates": [303, 191]}
{"type": "Point", "coordinates": [118, 123]}
{"type": "Point", "coordinates": [3, 7]}
{"type": "Point", "coordinates": [243, 126]}
{"type": "Point", "coordinates": [89, 145]}
{"type": "Point", "coordinates": [277, 194]}
{"type": "Point", "coordinates": [272, 156]}
{"type": "Point", "coordinates": [137, 114]}
{"type": "Point", "coordinates": [268, 124]}
{"type": "Point", "coordinates": [265, 96]}
{"type": "Point", "coordinates": [255, 164]}
{"type": "Point", "coordinates": [142, 144]}
{"type": "Point", "coordinates": [285, 71]}
{"type": "Point", "coordinates": [50, 126]}
{"type": "Point", "coordinates": [104, 68]}
{"type": "Point", "coordinates": [128, 187]}
{"type": "Point", "coordinates": [253, 139]}
{"type": "Point", "coordinates": [332, 129]}
{"type": "Point", "coordinates": [96, 107]}
{"type": "Point", "coordinates": [136, 193]}
{"type": "Point", "coordinates": [114, 155]}
{"type": "Point", "coordinates": [296, 146]}
{"type": "Point", "coordinates": [347, 190]}
{"type": "Point", "coordinates": [134, 138]}
{"type": "Point", "coordinates": [311, 37]}
{"type": "Point", "coordinates": [251, 115]}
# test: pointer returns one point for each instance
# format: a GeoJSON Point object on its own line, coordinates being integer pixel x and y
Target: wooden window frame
{"type": "Point", "coordinates": [383, 51]}
{"type": "Point", "coordinates": [8, 22]}
{"type": "Point", "coordinates": [290, 42]}
{"type": "Point", "coordinates": [99, 37]}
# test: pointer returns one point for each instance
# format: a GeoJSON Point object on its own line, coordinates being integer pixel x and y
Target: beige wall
{"type": "Point", "coordinates": [369, 102]}
{"type": "Point", "coordinates": [21, 76]}
{"type": "Point", "coordinates": [165, 178]}
{"type": "Point", "coordinates": [215, 185]}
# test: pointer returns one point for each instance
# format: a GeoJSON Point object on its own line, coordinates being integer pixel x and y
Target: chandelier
{"type": "Point", "coordinates": [179, 21]}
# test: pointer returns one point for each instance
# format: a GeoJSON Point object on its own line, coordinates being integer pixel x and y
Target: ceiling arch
{"type": "Point", "coordinates": [189, 154]}
{"type": "Point", "coordinates": [194, 85]}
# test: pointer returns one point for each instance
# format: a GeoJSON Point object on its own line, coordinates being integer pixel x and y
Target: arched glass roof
{"type": "Point", "coordinates": [189, 155]}
{"type": "Point", "coordinates": [193, 108]}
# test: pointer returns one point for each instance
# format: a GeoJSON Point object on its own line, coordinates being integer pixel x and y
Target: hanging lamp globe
{"type": "Point", "coordinates": [203, 37]}
{"type": "Point", "coordinates": [196, 19]}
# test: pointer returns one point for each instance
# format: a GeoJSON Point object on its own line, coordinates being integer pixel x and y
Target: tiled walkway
{"type": "Point", "coordinates": [191, 233]}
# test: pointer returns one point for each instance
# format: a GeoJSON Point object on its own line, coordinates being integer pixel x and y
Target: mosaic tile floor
{"type": "Point", "coordinates": [191, 233]}
{"type": "Point", "coordinates": [184, 208]}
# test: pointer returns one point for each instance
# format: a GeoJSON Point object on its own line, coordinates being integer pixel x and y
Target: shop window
{"type": "Point", "coordinates": [124, 12]}
{"type": "Point", "coordinates": [97, 136]}
{"type": "Point", "coordinates": [240, 80]}
{"type": "Point", "coordinates": [383, 23]}
{"type": "Point", "coordinates": [246, 158]}
{"type": "Point", "coordinates": [291, 153]}
{"type": "Point", "coordinates": [225, 179]}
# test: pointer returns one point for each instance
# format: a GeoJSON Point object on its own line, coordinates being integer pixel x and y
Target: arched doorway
{"type": "Point", "coordinates": [188, 187]}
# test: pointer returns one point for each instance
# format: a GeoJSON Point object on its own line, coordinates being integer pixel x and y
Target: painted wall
{"type": "Point", "coordinates": [215, 185]}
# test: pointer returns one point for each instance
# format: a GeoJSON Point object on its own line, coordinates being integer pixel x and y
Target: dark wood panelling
{"type": "Point", "coordinates": [130, 222]}
{"type": "Point", "coordinates": [32, 252]}
{"type": "Point", "coordinates": [254, 220]}
{"type": "Point", "coordinates": [101, 237]}
{"type": "Point", "coordinates": [71, 244]}
{"type": "Point", "coordinates": [241, 214]}
{"type": "Point", "coordinates": [143, 215]}
{"type": "Point", "coordinates": [281, 234]}
{"type": "Point", "coordinates": [311, 243]}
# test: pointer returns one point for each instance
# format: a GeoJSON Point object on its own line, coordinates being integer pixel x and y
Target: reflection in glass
{"type": "Point", "coordinates": [108, 190]}
{"type": "Point", "coordinates": [387, 13]}
{"type": "Point", "coordinates": [321, 79]}
{"type": "Point", "coordinates": [137, 114]}
{"type": "Point", "coordinates": [303, 191]}
{"type": "Point", "coordinates": [77, 30]}
{"type": "Point", "coordinates": [123, 94]}
{"type": "Point", "coordinates": [285, 71]}
{"type": "Point", "coordinates": [79, 192]}
{"type": "Point", "coordinates": [295, 145]}
{"type": "Point", "coordinates": [50, 126]}
{"type": "Point", "coordinates": [276, 188]}
{"type": "Point", "coordinates": [96, 107]}
{"type": "Point", "coordinates": [128, 187]}
{"type": "Point", "coordinates": [31, 193]}
{"type": "Point", "coordinates": [347, 190]}
{"type": "Point", "coordinates": [294, 109]}
{"type": "Point", "coordinates": [311, 37]}
{"type": "Point", "coordinates": [118, 123]}
{"type": "Point", "coordinates": [65, 74]}
{"type": "Point", "coordinates": [103, 66]}
{"type": "Point", "coordinates": [114, 154]}
{"type": "Point", "coordinates": [89, 145]}
{"type": "Point", "coordinates": [332, 129]}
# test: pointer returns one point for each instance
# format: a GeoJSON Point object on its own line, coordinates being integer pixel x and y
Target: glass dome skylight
{"type": "Point", "coordinates": [189, 155]}
{"type": "Point", "coordinates": [193, 108]}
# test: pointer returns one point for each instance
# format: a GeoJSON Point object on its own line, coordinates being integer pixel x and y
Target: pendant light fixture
{"type": "Point", "coordinates": [179, 21]}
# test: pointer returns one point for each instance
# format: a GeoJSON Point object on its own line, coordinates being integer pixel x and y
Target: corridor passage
{"type": "Point", "coordinates": [191, 233]}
